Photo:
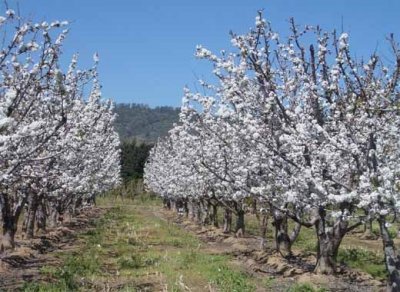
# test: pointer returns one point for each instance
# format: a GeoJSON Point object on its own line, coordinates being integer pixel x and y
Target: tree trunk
{"type": "Point", "coordinates": [254, 207]}
{"type": "Point", "coordinates": [53, 218]}
{"type": "Point", "coordinates": [41, 216]}
{"type": "Point", "coordinates": [214, 217]}
{"type": "Point", "coordinates": [92, 200]}
{"type": "Point", "coordinates": [282, 239]}
{"type": "Point", "coordinates": [8, 239]}
{"type": "Point", "coordinates": [368, 234]}
{"type": "Point", "coordinates": [24, 227]}
{"type": "Point", "coordinates": [329, 239]}
{"type": "Point", "coordinates": [227, 221]}
{"type": "Point", "coordinates": [205, 214]}
{"type": "Point", "coordinates": [263, 230]}
{"type": "Point", "coordinates": [173, 205]}
{"type": "Point", "coordinates": [326, 257]}
{"type": "Point", "coordinates": [10, 214]}
{"type": "Point", "coordinates": [392, 259]}
{"type": "Point", "coordinates": [167, 203]}
{"type": "Point", "coordinates": [31, 219]}
{"type": "Point", "coordinates": [9, 230]}
{"type": "Point", "coordinates": [179, 206]}
{"type": "Point", "coordinates": [192, 210]}
{"type": "Point", "coordinates": [295, 232]}
{"type": "Point", "coordinates": [197, 213]}
{"type": "Point", "coordinates": [76, 205]}
{"type": "Point", "coordinates": [186, 208]}
{"type": "Point", "coordinates": [240, 226]}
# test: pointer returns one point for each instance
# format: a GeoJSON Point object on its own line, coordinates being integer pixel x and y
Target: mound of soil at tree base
{"type": "Point", "coordinates": [24, 263]}
{"type": "Point", "coordinates": [268, 263]}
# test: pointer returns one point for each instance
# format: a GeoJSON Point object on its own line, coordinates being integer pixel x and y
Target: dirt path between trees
{"type": "Point", "coordinates": [142, 247]}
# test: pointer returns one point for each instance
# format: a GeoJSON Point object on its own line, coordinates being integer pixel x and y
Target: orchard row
{"type": "Point", "coordinates": [58, 146]}
{"type": "Point", "coordinates": [295, 128]}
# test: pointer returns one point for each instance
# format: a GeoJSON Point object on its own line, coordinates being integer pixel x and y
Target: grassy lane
{"type": "Point", "coordinates": [132, 249]}
{"type": "Point", "coordinates": [137, 247]}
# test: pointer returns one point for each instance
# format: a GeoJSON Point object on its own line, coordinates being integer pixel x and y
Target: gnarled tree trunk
{"type": "Point", "coordinates": [9, 230]}
{"type": "Point", "coordinates": [263, 229]}
{"type": "Point", "coordinates": [41, 217]}
{"type": "Point", "coordinates": [392, 258]}
{"type": "Point", "coordinates": [284, 240]}
{"type": "Point", "coordinates": [192, 210]}
{"type": "Point", "coordinates": [10, 213]}
{"type": "Point", "coordinates": [214, 215]}
{"type": "Point", "coordinates": [240, 226]}
{"type": "Point", "coordinates": [186, 208]}
{"type": "Point", "coordinates": [329, 239]}
{"type": "Point", "coordinates": [197, 212]}
{"type": "Point", "coordinates": [30, 217]}
{"type": "Point", "coordinates": [53, 215]}
{"type": "Point", "coordinates": [227, 220]}
{"type": "Point", "coordinates": [205, 213]}
{"type": "Point", "coordinates": [25, 221]}
{"type": "Point", "coordinates": [328, 246]}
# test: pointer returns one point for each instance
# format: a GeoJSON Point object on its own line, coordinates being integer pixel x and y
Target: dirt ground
{"type": "Point", "coordinates": [24, 263]}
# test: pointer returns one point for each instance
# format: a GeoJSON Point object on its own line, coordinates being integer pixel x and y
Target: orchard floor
{"type": "Point", "coordinates": [125, 245]}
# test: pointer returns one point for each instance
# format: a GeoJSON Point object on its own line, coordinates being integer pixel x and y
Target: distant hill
{"type": "Point", "coordinates": [144, 123]}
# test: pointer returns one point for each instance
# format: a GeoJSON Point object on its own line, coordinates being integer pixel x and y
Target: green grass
{"type": "Point", "coordinates": [65, 278]}
{"type": "Point", "coordinates": [228, 280]}
{"type": "Point", "coordinates": [364, 260]}
{"type": "Point", "coordinates": [75, 268]}
{"type": "Point", "coordinates": [269, 282]}
{"type": "Point", "coordinates": [306, 241]}
{"type": "Point", "coordinates": [305, 287]}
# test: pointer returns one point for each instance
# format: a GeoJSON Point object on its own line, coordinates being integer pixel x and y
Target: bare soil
{"type": "Point", "coordinates": [24, 263]}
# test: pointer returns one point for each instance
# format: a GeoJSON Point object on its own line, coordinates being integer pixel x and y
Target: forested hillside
{"type": "Point", "coordinates": [144, 123]}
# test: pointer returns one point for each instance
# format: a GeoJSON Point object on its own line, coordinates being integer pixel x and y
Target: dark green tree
{"type": "Point", "coordinates": [133, 158]}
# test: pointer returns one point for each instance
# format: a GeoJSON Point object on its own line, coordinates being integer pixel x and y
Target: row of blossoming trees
{"type": "Point", "coordinates": [305, 133]}
{"type": "Point", "coordinates": [58, 146]}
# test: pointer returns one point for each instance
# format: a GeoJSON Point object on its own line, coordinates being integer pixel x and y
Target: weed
{"type": "Point", "coordinates": [363, 260]}
{"type": "Point", "coordinates": [38, 287]}
{"type": "Point", "coordinates": [132, 262]}
{"type": "Point", "coordinates": [268, 282]}
{"type": "Point", "coordinates": [230, 281]}
{"type": "Point", "coordinates": [65, 276]}
{"type": "Point", "coordinates": [305, 287]}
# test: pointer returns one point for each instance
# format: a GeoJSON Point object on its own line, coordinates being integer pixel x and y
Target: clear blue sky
{"type": "Point", "coordinates": [146, 47]}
